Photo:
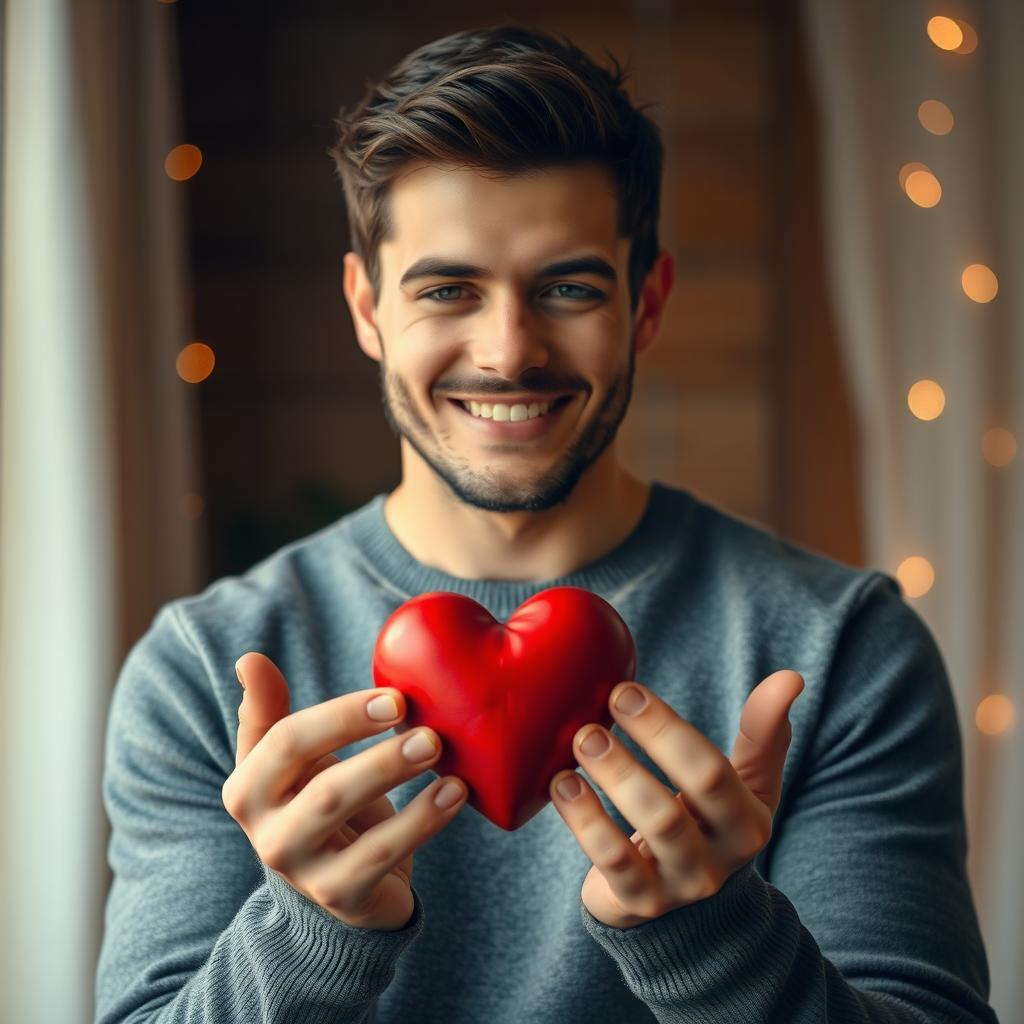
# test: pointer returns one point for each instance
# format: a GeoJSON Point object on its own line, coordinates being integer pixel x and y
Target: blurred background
{"type": "Point", "coordinates": [182, 393]}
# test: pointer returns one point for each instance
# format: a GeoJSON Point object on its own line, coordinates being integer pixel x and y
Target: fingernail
{"type": "Point", "coordinates": [569, 787]}
{"type": "Point", "coordinates": [596, 743]}
{"type": "Point", "coordinates": [238, 673]}
{"type": "Point", "coordinates": [630, 701]}
{"type": "Point", "coordinates": [382, 708]}
{"type": "Point", "coordinates": [448, 795]}
{"type": "Point", "coordinates": [419, 748]}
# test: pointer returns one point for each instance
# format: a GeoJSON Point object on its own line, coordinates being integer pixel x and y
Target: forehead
{"type": "Point", "coordinates": [472, 212]}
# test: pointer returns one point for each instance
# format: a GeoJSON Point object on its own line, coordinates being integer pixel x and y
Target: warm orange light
{"type": "Point", "coordinates": [922, 188]}
{"type": "Point", "coordinates": [995, 714]}
{"type": "Point", "coordinates": [195, 362]}
{"type": "Point", "coordinates": [999, 446]}
{"type": "Point", "coordinates": [192, 506]}
{"type": "Point", "coordinates": [979, 283]}
{"type": "Point", "coordinates": [935, 117]}
{"type": "Point", "coordinates": [970, 43]}
{"type": "Point", "coordinates": [916, 575]}
{"type": "Point", "coordinates": [945, 33]}
{"type": "Point", "coordinates": [926, 399]}
{"type": "Point", "coordinates": [907, 169]}
{"type": "Point", "coordinates": [183, 162]}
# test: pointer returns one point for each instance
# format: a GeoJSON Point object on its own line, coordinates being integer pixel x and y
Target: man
{"type": "Point", "coordinates": [503, 198]}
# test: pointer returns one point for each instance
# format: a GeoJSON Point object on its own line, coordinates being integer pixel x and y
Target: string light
{"type": "Point", "coordinates": [935, 117]}
{"type": "Point", "coordinates": [183, 162]}
{"type": "Point", "coordinates": [926, 399]}
{"type": "Point", "coordinates": [979, 283]}
{"type": "Point", "coordinates": [920, 184]}
{"type": "Point", "coordinates": [999, 446]}
{"type": "Point", "coordinates": [995, 714]}
{"type": "Point", "coordinates": [915, 575]}
{"type": "Point", "coordinates": [945, 33]}
{"type": "Point", "coordinates": [970, 40]}
{"type": "Point", "coordinates": [195, 362]}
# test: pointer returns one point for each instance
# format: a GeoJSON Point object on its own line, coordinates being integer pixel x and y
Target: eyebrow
{"type": "Point", "coordinates": [443, 266]}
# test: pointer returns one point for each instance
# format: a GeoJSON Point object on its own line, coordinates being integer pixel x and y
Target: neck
{"type": "Point", "coordinates": [446, 534]}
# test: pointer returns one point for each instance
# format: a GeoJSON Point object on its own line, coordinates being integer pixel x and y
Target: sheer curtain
{"type": "Point", "coordinates": [895, 271]}
{"type": "Point", "coordinates": [96, 452]}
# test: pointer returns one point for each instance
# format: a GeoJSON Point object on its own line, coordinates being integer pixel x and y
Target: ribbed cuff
{"type": "Point", "coordinates": [694, 954]}
{"type": "Point", "coordinates": [345, 964]}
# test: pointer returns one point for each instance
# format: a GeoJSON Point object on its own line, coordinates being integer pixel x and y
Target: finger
{"type": "Point", "coordinates": [361, 822]}
{"type": "Point", "coordinates": [346, 880]}
{"type": "Point", "coordinates": [365, 818]}
{"type": "Point", "coordinates": [264, 700]}
{"type": "Point", "coordinates": [710, 788]}
{"type": "Point", "coordinates": [759, 753]}
{"type": "Point", "coordinates": [380, 810]}
{"type": "Point", "coordinates": [372, 813]}
{"type": "Point", "coordinates": [278, 760]}
{"type": "Point", "coordinates": [297, 832]}
{"type": "Point", "coordinates": [629, 874]}
{"type": "Point", "coordinates": [672, 834]}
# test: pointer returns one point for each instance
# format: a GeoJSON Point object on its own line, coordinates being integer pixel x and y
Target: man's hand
{"type": "Point", "coordinates": [324, 824]}
{"type": "Point", "coordinates": [687, 843]}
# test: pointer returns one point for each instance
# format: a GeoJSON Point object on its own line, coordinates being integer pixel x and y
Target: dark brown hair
{"type": "Point", "coordinates": [504, 99]}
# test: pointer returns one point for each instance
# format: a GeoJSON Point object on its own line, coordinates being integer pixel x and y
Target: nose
{"type": "Point", "coordinates": [508, 338]}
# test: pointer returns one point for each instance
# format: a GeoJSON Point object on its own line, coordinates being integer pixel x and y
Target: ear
{"type": "Point", "coordinates": [359, 295]}
{"type": "Point", "coordinates": [653, 298]}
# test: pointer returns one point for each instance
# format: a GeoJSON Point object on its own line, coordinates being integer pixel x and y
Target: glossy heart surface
{"type": "Point", "coordinates": [507, 698]}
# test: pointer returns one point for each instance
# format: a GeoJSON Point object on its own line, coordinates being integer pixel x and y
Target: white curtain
{"type": "Point", "coordinates": [95, 453]}
{"type": "Point", "coordinates": [895, 271]}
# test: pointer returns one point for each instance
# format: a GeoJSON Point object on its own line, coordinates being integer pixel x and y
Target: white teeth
{"type": "Point", "coordinates": [502, 413]}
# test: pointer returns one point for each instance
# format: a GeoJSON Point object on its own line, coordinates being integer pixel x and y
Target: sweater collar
{"type": "Point", "coordinates": [612, 573]}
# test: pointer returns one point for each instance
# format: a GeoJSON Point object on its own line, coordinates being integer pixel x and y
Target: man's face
{"type": "Point", "coordinates": [513, 333]}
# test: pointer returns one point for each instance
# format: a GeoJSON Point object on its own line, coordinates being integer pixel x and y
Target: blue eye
{"type": "Point", "coordinates": [587, 292]}
{"type": "Point", "coordinates": [435, 294]}
{"type": "Point", "coordinates": [446, 288]}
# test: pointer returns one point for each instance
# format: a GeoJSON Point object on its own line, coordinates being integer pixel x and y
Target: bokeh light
{"type": "Point", "coordinates": [995, 714]}
{"type": "Point", "coordinates": [945, 33]}
{"type": "Point", "coordinates": [183, 162]}
{"type": "Point", "coordinates": [195, 362]}
{"type": "Point", "coordinates": [999, 446]}
{"type": "Point", "coordinates": [970, 41]}
{"type": "Point", "coordinates": [926, 399]}
{"type": "Point", "coordinates": [907, 169]}
{"type": "Point", "coordinates": [915, 575]}
{"type": "Point", "coordinates": [979, 283]}
{"type": "Point", "coordinates": [935, 117]}
{"type": "Point", "coordinates": [920, 185]}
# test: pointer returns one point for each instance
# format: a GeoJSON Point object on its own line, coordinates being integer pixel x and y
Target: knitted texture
{"type": "Point", "coordinates": [858, 910]}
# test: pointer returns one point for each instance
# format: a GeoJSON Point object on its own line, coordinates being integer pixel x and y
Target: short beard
{"type": "Point", "coordinates": [482, 489]}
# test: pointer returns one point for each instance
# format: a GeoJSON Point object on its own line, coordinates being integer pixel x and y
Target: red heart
{"type": "Point", "coordinates": [508, 699]}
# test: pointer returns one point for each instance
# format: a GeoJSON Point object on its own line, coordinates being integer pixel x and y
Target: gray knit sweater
{"type": "Point", "coordinates": [859, 909]}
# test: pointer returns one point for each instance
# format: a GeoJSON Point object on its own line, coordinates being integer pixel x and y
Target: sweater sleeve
{"type": "Point", "coordinates": [196, 928]}
{"type": "Point", "coordinates": [864, 913]}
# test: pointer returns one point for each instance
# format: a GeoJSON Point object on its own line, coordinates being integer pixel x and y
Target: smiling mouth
{"type": "Point", "coordinates": [510, 413]}
{"type": "Point", "coordinates": [522, 428]}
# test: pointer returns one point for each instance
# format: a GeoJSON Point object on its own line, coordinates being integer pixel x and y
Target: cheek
{"type": "Point", "coordinates": [420, 368]}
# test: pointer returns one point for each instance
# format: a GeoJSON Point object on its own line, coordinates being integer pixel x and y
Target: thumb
{"type": "Point", "coordinates": [264, 700]}
{"type": "Point", "coordinates": [759, 753]}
